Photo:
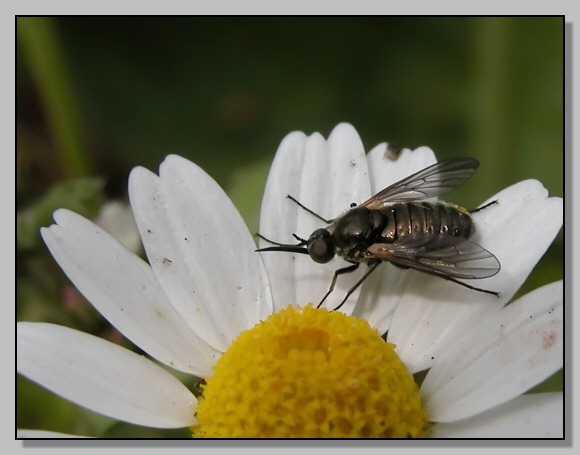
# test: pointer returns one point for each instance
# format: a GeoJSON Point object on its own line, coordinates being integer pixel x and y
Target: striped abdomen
{"type": "Point", "coordinates": [424, 219]}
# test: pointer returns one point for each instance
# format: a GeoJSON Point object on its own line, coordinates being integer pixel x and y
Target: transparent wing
{"type": "Point", "coordinates": [445, 256]}
{"type": "Point", "coordinates": [432, 181]}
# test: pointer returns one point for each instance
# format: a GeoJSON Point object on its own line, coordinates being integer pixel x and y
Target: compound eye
{"type": "Point", "coordinates": [320, 246]}
{"type": "Point", "coordinates": [320, 251]}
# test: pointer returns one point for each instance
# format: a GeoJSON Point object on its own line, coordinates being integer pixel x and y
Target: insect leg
{"type": "Point", "coordinates": [372, 267]}
{"type": "Point", "coordinates": [484, 206]}
{"type": "Point", "coordinates": [312, 212]}
{"type": "Point", "coordinates": [469, 286]}
{"type": "Point", "coordinates": [350, 268]}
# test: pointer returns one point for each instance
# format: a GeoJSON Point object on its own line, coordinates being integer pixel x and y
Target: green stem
{"type": "Point", "coordinates": [43, 54]}
{"type": "Point", "coordinates": [492, 64]}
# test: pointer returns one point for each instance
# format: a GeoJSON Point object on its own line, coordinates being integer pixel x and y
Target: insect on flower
{"type": "Point", "coordinates": [399, 226]}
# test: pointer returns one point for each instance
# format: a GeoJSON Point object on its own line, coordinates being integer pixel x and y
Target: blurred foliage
{"type": "Point", "coordinates": [47, 411]}
{"type": "Point", "coordinates": [82, 195]}
{"type": "Point", "coordinates": [96, 96]}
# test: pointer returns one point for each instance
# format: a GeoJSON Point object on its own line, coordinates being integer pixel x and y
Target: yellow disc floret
{"type": "Point", "coordinates": [310, 373]}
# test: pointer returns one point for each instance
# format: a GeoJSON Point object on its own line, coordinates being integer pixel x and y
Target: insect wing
{"type": "Point", "coordinates": [435, 180]}
{"type": "Point", "coordinates": [445, 256]}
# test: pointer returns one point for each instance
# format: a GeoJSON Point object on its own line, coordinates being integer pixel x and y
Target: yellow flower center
{"type": "Point", "coordinates": [310, 373]}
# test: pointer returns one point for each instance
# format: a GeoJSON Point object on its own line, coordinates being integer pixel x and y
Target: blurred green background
{"type": "Point", "coordinates": [96, 96]}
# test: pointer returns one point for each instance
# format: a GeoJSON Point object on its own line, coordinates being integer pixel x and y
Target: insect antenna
{"type": "Point", "coordinates": [312, 212]}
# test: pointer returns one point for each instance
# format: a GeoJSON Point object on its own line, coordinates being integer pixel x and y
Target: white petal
{"type": "Point", "coordinates": [384, 170]}
{"type": "Point", "coordinates": [41, 434]}
{"type": "Point", "coordinates": [431, 315]}
{"type": "Point", "coordinates": [279, 216]}
{"type": "Point", "coordinates": [518, 230]}
{"type": "Point", "coordinates": [499, 359]}
{"type": "Point", "coordinates": [325, 176]}
{"type": "Point", "coordinates": [387, 286]}
{"type": "Point", "coordinates": [528, 416]}
{"type": "Point", "coordinates": [124, 290]}
{"type": "Point", "coordinates": [117, 219]}
{"type": "Point", "coordinates": [436, 311]}
{"type": "Point", "coordinates": [102, 376]}
{"type": "Point", "coordinates": [200, 250]}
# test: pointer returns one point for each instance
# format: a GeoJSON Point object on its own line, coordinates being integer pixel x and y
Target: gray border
{"type": "Point", "coordinates": [568, 230]}
{"type": "Point", "coordinates": [430, 443]}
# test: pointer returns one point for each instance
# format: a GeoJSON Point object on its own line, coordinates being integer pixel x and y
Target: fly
{"type": "Point", "coordinates": [400, 226]}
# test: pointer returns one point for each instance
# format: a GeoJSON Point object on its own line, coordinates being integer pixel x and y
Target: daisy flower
{"type": "Point", "coordinates": [208, 305]}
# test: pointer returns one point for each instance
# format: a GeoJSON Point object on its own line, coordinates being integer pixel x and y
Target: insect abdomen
{"type": "Point", "coordinates": [425, 219]}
